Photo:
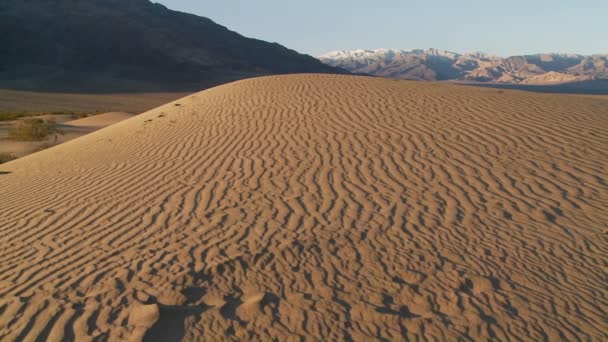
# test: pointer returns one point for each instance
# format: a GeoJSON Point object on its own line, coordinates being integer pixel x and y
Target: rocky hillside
{"type": "Point", "coordinates": [437, 65]}
{"type": "Point", "coordinates": [129, 45]}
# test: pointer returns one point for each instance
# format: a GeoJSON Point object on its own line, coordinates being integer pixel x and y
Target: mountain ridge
{"type": "Point", "coordinates": [441, 65]}
{"type": "Point", "coordinates": [130, 45]}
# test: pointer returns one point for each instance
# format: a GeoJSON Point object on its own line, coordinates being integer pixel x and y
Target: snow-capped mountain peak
{"type": "Point", "coordinates": [436, 64]}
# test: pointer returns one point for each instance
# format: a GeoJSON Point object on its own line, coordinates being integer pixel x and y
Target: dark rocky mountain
{"type": "Point", "coordinates": [117, 45]}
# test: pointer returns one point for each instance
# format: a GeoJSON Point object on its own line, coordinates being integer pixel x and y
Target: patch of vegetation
{"type": "Point", "coordinates": [6, 157]}
{"type": "Point", "coordinates": [79, 115]}
{"type": "Point", "coordinates": [33, 130]}
{"type": "Point", "coordinates": [9, 116]}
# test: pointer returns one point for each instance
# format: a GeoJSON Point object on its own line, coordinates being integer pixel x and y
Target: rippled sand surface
{"type": "Point", "coordinates": [316, 207]}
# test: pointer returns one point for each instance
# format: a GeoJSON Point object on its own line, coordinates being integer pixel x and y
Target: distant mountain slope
{"type": "Point", "coordinates": [97, 44]}
{"type": "Point", "coordinates": [433, 64]}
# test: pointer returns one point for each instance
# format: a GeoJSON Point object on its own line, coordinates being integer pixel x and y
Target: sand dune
{"type": "Point", "coordinates": [328, 207]}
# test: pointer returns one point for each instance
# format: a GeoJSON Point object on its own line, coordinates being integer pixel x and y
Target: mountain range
{"type": "Point", "coordinates": [440, 65]}
{"type": "Point", "coordinates": [138, 45]}
{"type": "Point", "coordinates": [118, 45]}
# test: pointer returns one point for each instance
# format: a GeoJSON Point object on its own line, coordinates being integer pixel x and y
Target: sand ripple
{"type": "Point", "coordinates": [334, 207]}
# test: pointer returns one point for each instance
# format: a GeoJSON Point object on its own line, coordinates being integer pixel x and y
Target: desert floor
{"type": "Point", "coordinates": [319, 207]}
{"type": "Point", "coordinates": [19, 100]}
{"type": "Point", "coordinates": [67, 127]}
{"type": "Point", "coordinates": [65, 103]}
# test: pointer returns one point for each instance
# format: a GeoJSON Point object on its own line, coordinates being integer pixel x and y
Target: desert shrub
{"type": "Point", "coordinates": [9, 116]}
{"type": "Point", "coordinates": [6, 157]}
{"type": "Point", "coordinates": [33, 130]}
{"type": "Point", "coordinates": [79, 115]}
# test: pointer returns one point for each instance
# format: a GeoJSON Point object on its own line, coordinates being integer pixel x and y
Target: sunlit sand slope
{"type": "Point", "coordinates": [329, 207]}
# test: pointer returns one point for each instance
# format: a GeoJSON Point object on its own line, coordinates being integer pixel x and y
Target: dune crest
{"type": "Point", "coordinates": [338, 207]}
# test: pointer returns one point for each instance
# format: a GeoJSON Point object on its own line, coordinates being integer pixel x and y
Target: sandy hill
{"type": "Point", "coordinates": [129, 45]}
{"type": "Point", "coordinates": [334, 207]}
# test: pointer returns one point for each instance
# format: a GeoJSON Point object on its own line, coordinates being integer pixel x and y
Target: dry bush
{"type": "Point", "coordinates": [6, 157]}
{"type": "Point", "coordinates": [33, 130]}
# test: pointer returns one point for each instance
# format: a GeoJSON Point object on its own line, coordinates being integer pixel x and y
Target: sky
{"type": "Point", "coordinates": [501, 27]}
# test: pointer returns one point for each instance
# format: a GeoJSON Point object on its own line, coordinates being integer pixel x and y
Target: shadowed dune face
{"type": "Point", "coordinates": [337, 207]}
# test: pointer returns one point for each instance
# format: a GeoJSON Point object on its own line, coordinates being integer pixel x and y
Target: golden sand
{"type": "Point", "coordinates": [324, 207]}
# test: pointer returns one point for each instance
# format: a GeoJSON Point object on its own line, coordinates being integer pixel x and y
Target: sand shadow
{"type": "Point", "coordinates": [403, 311]}
{"type": "Point", "coordinates": [228, 311]}
{"type": "Point", "coordinates": [171, 325]}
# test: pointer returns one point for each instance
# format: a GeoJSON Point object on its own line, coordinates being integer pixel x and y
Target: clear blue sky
{"type": "Point", "coordinates": [502, 27]}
